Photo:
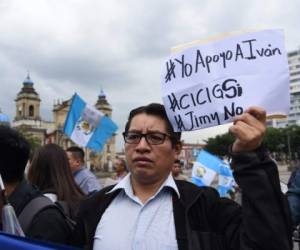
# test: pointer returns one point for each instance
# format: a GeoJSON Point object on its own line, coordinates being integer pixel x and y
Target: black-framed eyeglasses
{"type": "Point", "coordinates": [152, 138]}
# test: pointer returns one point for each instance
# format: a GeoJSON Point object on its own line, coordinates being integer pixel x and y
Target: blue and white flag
{"type": "Point", "coordinates": [205, 168]}
{"type": "Point", "coordinates": [196, 151]}
{"type": "Point", "coordinates": [226, 180]}
{"type": "Point", "coordinates": [87, 126]}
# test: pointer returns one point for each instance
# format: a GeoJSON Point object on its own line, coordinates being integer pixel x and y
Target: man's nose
{"type": "Point", "coordinates": [143, 144]}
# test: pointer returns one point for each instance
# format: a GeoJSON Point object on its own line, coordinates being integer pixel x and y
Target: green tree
{"type": "Point", "coordinates": [279, 141]}
{"type": "Point", "coordinates": [219, 145]}
{"type": "Point", "coordinates": [34, 141]}
{"type": "Point", "coordinates": [292, 135]}
{"type": "Point", "coordinates": [275, 139]}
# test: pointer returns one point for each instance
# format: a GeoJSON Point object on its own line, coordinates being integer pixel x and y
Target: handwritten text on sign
{"type": "Point", "coordinates": [208, 85]}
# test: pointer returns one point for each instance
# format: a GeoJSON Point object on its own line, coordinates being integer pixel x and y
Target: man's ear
{"type": "Point", "coordinates": [78, 161]}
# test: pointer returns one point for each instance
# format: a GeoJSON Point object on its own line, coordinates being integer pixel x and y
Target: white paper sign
{"type": "Point", "coordinates": [207, 85]}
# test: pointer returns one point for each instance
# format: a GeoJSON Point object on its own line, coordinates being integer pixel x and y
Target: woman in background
{"type": "Point", "coordinates": [50, 172]}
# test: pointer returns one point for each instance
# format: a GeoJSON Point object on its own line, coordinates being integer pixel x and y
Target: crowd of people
{"type": "Point", "coordinates": [150, 204]}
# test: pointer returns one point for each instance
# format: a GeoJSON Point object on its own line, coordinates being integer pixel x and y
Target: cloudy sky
{"type": "Point", "coordinates": [82, 46]}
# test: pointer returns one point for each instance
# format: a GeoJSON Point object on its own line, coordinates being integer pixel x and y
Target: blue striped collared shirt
{"type": "Point", "coordinates": [128, 224]}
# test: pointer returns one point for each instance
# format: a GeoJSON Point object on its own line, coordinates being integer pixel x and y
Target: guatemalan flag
{"type": "Point", "coordinates": [87, 126]}
{"type": "Point", "coordinates": [205, 168]}
{"type": "Point", "coordinates": [226, 180]}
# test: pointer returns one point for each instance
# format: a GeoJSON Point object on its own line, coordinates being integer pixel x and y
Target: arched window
{"type": "Point", "coordinates": [20, 110]}
{"type": "Point", "coordinates": [31, 111]}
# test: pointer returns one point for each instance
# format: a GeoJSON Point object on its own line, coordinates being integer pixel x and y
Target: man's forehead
{"type": "Point", "coordinates": [149, 122]}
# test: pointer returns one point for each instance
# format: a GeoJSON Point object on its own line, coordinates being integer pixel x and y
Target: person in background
{"type": "Point", "coordinates": [148, 209]}
{"type": "Point", "coordinates": [84, 178]}
{"type": "Point", "coordinates": [50, 172]}
{"type": "Point", "coordinates": [177, 171]}
{"type": "Point", "coordinates": [49, 224]}
{"type": "Point", "coordinates": [293, 196]}
{"type": "Point", "coordinates": [120, 169]}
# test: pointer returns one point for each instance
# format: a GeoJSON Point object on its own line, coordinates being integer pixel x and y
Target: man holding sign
{"type": "Point", "coordinates": [148, 209]}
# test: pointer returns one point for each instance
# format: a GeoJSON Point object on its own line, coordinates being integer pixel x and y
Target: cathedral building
{"type": "Point", "coordinates": [29, 121]}
{"type": "Point", "coordinates": [28, 102]}
{"type": "Point", "coordinates": [106, 160]}
{"type": "Point", "coordinates": [27, 118]}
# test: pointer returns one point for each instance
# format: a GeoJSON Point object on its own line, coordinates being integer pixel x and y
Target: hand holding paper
{"type": "Point", "coordinates": [249, 129]}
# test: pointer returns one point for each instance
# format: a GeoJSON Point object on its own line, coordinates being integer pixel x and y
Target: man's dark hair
{"type": "Point", "coordinates": [14, 155]}
{"type": "Point", "coordinates": [177, 162]}
{"type": "Point", "coordinates": [77, 152]}
{"type": "Point", "coordinates": [158, 110]}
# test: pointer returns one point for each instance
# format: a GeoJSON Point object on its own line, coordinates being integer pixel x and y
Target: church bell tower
{"type": "Point", "coordinates": [27, 102]}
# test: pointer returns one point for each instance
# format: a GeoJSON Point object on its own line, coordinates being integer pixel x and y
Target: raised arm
{"type": "Point", "coordinates": [266, 220]}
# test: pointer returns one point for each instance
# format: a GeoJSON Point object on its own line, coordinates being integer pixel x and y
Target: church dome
{"type": "Point", "coordinates": [102, 99]}
{"type": "Point", "coordinates": [102, 94]}
{"type": "Point", "coordinates": [102, 104]}
{"type": "Point", "coordinates": [28, 89]}
{"type": "Point", "coordinates": [28, 81]}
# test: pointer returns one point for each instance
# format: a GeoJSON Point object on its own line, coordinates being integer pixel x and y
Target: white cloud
{"type": "Point", "coordinates": [83, 46]}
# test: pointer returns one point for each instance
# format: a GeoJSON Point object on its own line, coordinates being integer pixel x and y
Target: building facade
{"type": "Point", "coordinates": [29, 121]}
{"type": "Point", "coordinates": [294, 114]}
{"type": "Point", "coordinates": [294, 66]}
{"type": "Point", "coordinates": [27, 117]}
{"type": "Point", "coordinates": [189, 153]}
{"type": "Point", "coordinates": [108, 155]}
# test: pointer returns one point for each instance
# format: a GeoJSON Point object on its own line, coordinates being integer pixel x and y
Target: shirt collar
{"type": "Point", "coordinates": [76, 172]}
{"type": "Point", "coordinates": [125, 184]}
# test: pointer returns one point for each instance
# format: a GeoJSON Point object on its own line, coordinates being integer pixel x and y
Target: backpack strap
{"type": "Point", "coordinates": [32, 209]}
{"type": "Point", "coordinates": [65, 210]}
{"type": "Point", "coordinates": [64, 207]}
